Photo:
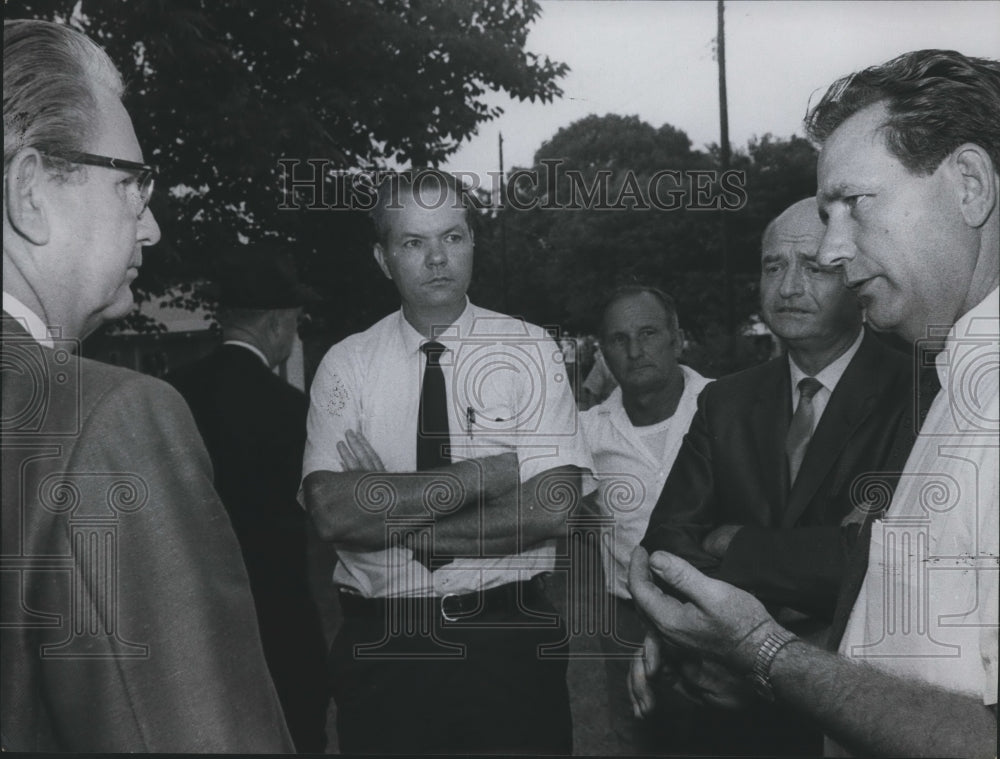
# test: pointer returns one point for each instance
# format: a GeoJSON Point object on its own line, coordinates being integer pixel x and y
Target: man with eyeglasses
{"type": "Point", "coordinates": [127, 619]}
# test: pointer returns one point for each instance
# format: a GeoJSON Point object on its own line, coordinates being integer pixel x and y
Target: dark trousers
{"type": "Point", "coordinates": [669, 730]}
{"type": "Point", "coordinates": [476, 686]}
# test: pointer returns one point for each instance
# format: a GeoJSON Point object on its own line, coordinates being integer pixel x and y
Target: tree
{"type": "Point", "coordinates": [563, 255]}
{"type": "Point", "coordinates": [219, 90]}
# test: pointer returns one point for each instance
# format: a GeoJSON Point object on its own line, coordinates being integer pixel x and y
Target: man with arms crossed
{"type": "Point", "coordinates": [460, 421]}
{"type": "Point", "coordinates": [908, 189]}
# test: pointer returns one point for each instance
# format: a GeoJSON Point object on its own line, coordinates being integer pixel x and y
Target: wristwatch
{"type": "Point", "coordinates": [760, 675]}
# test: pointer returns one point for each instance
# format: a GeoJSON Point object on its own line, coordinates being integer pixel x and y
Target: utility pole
{"type": "Point", "coordinates": [502, 204]}
{"type": "Point", "coordinates": [724, 167]}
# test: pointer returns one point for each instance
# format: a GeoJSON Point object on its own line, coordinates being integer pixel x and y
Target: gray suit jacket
{"type": "Point", "coordinates": [127, 620]}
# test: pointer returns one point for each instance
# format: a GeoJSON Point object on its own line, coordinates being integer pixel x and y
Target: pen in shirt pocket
{"type": "Point", "coordinates": [471, 416]}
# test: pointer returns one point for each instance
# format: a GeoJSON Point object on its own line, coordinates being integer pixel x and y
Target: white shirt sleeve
{"type": "Point", "coordinates": [334, 408]}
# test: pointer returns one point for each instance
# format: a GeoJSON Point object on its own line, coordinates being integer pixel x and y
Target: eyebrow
{"type": "Point", "coordinates": [838, 191]}
{"type": "Point", "coordinates": [449, 230]}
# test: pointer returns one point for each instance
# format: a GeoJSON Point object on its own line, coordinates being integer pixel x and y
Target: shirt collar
{"type": "Point", "coordinates": [976, 327]}
{"type": "Point", "coordinates": [31, 321]}
{"type": "Point", "coordinates": [251, 348]}
{"type": "Point", "coordinates": [829, 375]}
{"type": "Point", "coordinates": [460, 328]}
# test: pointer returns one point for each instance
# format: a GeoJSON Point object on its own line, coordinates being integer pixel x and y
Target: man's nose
{"type": "Point", "coordinates": [792, 282]}
{"type": "Point", "coordinates": [837, 246]}
{"type": "Point", "coordinates": [436, 254]}
{"type": "Point", "coordinates": [148, 231]}
{"type": "Point", "coordinates": [633, 347]}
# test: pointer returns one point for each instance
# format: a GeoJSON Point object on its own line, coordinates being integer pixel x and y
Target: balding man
{"type": "Point", "coordinates": [765, 476]}
{"type": "Point", "coordinates": [128, 623]}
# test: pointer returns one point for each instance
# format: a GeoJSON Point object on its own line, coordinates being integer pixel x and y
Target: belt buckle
{"type": "Point", "coordinates": [444, 614]}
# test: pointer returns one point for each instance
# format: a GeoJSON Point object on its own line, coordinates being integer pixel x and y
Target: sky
{"type": "Point", "coordinates": [656, 60]}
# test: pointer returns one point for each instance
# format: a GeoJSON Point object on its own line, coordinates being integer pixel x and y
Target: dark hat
{"type": "Point", "coordinates": [260, 275]}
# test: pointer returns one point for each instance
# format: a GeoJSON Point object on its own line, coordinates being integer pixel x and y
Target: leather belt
{"type": "Point", "coordinates": [452, 607]}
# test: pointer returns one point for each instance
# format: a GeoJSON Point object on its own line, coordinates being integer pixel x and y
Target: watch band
{"type": "Point", "coordinates": [760, 675]}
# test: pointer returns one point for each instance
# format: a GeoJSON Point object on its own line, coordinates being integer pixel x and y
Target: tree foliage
{"type": "Point", "coordinates": [560, 260]}
{"type": "Point", "coordinates": [219, 90]}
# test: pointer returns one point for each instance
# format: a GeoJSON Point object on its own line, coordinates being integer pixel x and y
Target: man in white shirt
{"type": "Point", "coordinates": [445, 627]}
{"type": "Point", "coordinates": [634, 436]}
{"type": "Point", "coordinates": [909, 191]}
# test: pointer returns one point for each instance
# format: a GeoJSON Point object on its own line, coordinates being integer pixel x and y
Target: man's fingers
{"type": "Point", "coordinates": [651, 655]}
{"type": "Point", "coordinates": [651, 602]}
{"type": "Point", "coordinates": [347, 457]}
{"type": "Point", "coordinates": [639, 691]}
{"type": "Point", "coordinates": [640, 582]}
{"type": "Point", "coordinates": [682, 577]}
{"type": "Point", "coordinates": [366, 453]}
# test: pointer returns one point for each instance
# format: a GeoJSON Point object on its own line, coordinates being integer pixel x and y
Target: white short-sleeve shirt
{"type": "Point", "coordinates": [928, 606]}
{"type": "Point", "coordinates": [631, 465]}
{"type": "Point", "coordinates": [507, 391]}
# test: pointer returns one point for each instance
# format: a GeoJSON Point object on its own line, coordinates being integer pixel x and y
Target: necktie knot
{"type": "Point", "coordinates": [808, 387]}
{"type": "Point", "coordinates": [433, 351]}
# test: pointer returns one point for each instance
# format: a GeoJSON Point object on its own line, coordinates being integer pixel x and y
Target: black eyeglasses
{"type": "Point", "coordinates": [145, 174]}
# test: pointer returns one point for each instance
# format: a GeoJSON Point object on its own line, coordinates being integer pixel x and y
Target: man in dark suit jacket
{"type": "Point", "coordinates": [254, 426]}
{"type": "Point", "coordinates": [128, 624]}
{"type": "Point", "coordinates": [733, 506]}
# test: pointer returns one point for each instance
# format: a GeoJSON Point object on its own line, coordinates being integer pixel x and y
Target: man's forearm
{"type": "Point", "coordinates": [871, 712]}
{"type": "Point", "coordinates": [514, 521]}
{"type": "Point", "coordinates": [350, 508]}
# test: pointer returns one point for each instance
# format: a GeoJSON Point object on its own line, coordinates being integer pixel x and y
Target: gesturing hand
{"type": "Point", "coordinates": [718, 621]}
{"type": "Point", "coordinates": [357, 454]}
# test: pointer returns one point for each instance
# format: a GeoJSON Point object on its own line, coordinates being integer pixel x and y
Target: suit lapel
{"type": "Point", "coordinates": [854, 398]}
{"type": "Point", "coordinates": [770, 419]}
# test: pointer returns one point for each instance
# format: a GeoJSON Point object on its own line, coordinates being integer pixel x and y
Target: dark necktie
{"type": "Point", "coordinates": [801, 428]}
{"type": "Point", "coordinates": [432, 419]}
{"type": "Point", "coordinates": [432, 428]}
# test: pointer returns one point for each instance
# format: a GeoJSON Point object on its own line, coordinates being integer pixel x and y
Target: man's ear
{"type": "Point", "coordinates": [380, 258]}
{"type": "Point", "coordinates": [978, 188]}
{"type": "Point", "coordinates": [25, 200]}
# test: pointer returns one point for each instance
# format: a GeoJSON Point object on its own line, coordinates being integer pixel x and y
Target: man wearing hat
{"type": "Point", "coordinates": [253, 424]}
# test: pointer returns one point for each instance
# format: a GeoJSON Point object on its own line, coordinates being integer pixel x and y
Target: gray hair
{"type": "Point", "coordinates": [50, 76]}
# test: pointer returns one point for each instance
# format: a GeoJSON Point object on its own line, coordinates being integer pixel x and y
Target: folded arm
{"type": "Point", "coordinates": [479, 506]}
